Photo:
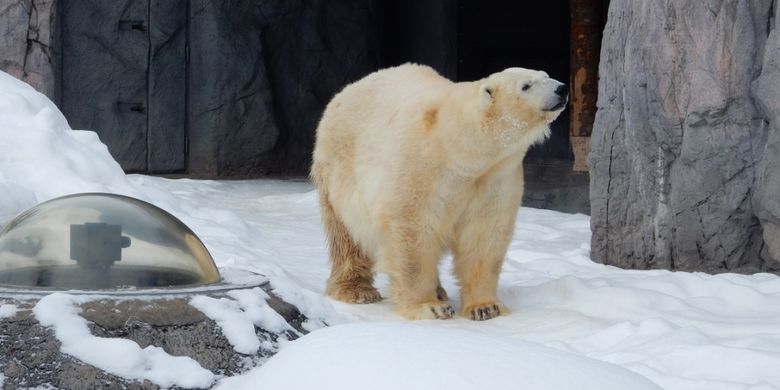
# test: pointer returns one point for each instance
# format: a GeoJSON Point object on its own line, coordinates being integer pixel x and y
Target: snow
{"type": "Point", "coordinates": [121, 357]}
{"type": "Point", "coordinates": [236, 326]}
{"type": "Point", "coordinates": [40, 157]}
{"type": "Point", "coordinates": [679, 330]}
{"type": "Point", "coordinates": [238, 315]}
{"type": "Point", "coordinates": [253, 303]}
{"type": "Point", "coordinates": [7, 310]}
{"type": "Point", "coordinates": [407, 356]}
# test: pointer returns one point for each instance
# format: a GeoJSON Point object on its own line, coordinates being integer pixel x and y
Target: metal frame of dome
{"type": "Point", "coordinates": [104, 243]}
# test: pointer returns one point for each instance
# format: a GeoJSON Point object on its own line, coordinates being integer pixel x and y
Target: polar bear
{"type": "Point", "coordinates": [409, 164]}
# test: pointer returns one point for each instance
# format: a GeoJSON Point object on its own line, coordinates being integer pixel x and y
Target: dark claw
{"type": "Point", "coordinates": [435, 314]}
{"type": "Point", "coordinates": [485, 313]}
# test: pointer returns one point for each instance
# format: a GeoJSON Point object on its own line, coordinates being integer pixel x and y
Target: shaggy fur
{"type": "Point", "coordinates": [408, 165]}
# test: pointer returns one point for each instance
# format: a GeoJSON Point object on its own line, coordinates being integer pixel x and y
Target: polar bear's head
{"type": "Point", "coordinates": [518, 104]}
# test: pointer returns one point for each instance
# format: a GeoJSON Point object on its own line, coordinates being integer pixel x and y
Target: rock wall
{"type": "Point", "coordinates": [104, 75]}
{"type": "Point", "coordinates": [261, 73]}
{"type": "Point", "coordinates": [27, 30]}
{"type": "Point", "coordinates": [686, 142]}
{"type": "Point", "coordinates": [766, 90]}
{"type": "Point", "coordinates": [209, 88]}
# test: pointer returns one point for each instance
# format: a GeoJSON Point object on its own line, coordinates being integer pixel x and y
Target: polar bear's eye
{"type": "Point", "coordinates": [526, 87]}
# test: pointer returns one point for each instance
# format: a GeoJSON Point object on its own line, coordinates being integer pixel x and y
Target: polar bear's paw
{"type": "Point", "coordinates": [428, 311]}
{"type": "Point", "coordinates": [485, 311]}
{"type": "Point", "coordinates": [355, 293]}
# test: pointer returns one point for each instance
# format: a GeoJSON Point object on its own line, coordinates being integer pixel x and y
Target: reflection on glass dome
{"type": "Point", "coordinates": [101, 241]}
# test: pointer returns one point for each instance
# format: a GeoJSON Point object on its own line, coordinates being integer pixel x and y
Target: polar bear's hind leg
{"type": "Point", "coordinates": [351, 277]}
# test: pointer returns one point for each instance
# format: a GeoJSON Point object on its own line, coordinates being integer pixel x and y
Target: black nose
{"type": "Point", "coordinates": [562, 91]}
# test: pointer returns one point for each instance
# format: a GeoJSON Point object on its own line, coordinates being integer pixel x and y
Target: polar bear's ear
{"type": "Point", "coordinates": [486, 93]}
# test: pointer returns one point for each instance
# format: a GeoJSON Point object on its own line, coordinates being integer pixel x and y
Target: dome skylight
{"type": "Point", "coordinates": [101, 241]}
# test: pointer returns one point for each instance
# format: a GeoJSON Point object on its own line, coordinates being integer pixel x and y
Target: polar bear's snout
{"type": "Point", "coordinates": [559, 97]}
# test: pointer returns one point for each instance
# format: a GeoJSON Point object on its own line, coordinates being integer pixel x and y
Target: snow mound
{"type": "Point", "coordinates": [406, 356]}
{"type": "Point", "coordinates": [39, 151]}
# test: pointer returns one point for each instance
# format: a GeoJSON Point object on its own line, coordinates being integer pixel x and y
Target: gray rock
{"type": "Point", "coordinates": [678, 164]}
{"type": "Point", "coordinates": [30, 353]}
{"type": "Point", "coordinates": [766, 198]}
{"type": "Point", "coordinates": [27, 30]}
{"type": "Point", "coordinates": [172, 325]}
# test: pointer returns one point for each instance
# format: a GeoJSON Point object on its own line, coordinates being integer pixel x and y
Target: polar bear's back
{"type": "Point", "coordinates": [390, 90]}
{"type": "Point", "coordinates": [368, 114]}
{"type": "Point", "coordinates": [398, 82]}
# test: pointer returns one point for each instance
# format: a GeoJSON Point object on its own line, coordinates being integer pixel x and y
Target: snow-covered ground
{"type": "Point", "coordinates": [574, 323]}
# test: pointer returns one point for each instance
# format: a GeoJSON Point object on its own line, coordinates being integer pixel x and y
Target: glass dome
{"type": "Point", "coordinates": [101, 241]}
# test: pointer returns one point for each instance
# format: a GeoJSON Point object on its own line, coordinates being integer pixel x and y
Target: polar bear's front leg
{"type": "Point", "coordinates": [414, 302]}
{"type": "Point", "coordinates": [482, 239]}
{"type": "Point", "coordinates": [479, 282]}
{"type": "Point", "coordinates": [411, 261]}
